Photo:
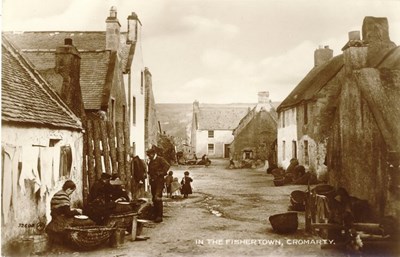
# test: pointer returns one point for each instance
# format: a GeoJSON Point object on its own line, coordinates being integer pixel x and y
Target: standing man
{"type": "Point", "coordinates": [157, 168]}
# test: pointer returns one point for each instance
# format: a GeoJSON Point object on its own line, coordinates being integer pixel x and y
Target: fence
{"type": "Point", "coordinates": [106, 150]}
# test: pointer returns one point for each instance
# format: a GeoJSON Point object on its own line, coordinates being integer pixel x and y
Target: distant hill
{"type": "Point", "coordinates": [174, 118]}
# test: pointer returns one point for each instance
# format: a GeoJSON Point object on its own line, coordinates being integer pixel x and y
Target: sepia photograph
{"type": "Point", "coordinates": [200, 128]}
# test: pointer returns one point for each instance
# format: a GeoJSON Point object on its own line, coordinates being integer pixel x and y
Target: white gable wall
{"type": "Point", "coordinates": [30, 139]}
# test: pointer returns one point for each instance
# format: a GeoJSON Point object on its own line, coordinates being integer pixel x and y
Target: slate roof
{"type": "Point", "coordinates": [39, 48]}
{"type": "Point", "coordinates": [220, 117]}
{"type": "Point", "coordinates": [27, 98]}
{"type": "Point", "coordinates": [313, 82]}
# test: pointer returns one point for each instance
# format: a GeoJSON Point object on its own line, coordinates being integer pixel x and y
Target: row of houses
{"type": "Point", "coordinates": [342, 121]}
{"type": "Point", "coordinates": [58, 90]}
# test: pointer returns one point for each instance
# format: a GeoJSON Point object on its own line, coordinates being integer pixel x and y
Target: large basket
{"type": "Point", "coordinates": [284, 222]}
{"type": "Point", "coordinates": [325, 189]}
{"type": "Point", "coordinates": [90, 237]}
{"type": "Point", "coordinates": [298, 200]}
{"type": "Point", "coordinates": [120, 220]}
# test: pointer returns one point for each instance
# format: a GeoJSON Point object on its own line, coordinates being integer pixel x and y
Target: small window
{"type": "Point", "coordinates": [134, 110]}
{"type": "Point", "coordinates": [123, 113]}
{"type": "Point", "coordinates": [211, 134]}
{"type": "Point", "coordinates": [283, 150]}
{"type": "Point", "coordinates": [112, 111]}
{"type": "Point", "coordinates": [294, 149]}
{"type": "Point", "coordinates": [210, 148]}
{"type": "Point", "coordinates": [283, 119]}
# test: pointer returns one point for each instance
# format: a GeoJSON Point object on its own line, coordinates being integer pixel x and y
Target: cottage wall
{"type": "Point", "coordinates": [29, 208]}
{"type": "Point", "coordinates": [136, 81]}
{"type": "Point", "coordinates": [287, 134]}
{"type": "Point", "coordinates": [221, 138]}
{"type": "Point", "coordinates": [258, 135]}
{"type": "Point", "coordinates": [151, 122]}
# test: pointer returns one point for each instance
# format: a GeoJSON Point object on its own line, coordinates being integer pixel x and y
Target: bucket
{"type": "Point", "coordinates": [40, 243]}
{"type": "Point", "coordinates": [117, 238]}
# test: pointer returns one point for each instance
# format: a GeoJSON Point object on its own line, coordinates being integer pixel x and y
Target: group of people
{"type": "Point", "coordinates": [174, 188]}
{"type": "Point", "coordinates": [101, 203]}
{"type": "Point", "coordinates": [105, 194]}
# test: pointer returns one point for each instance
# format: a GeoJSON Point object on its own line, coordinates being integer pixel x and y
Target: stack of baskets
{"type": "Point", "coordinates": [89, 237]}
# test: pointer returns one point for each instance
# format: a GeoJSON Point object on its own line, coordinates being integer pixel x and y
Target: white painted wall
{"type": "Point", "coordinates": [221, 137]}
{"type": "Point", "coordinates": [27, 211]}
{"type": "Point", "coordinates": [287, 134]}
{"type": "Point", "coordinates": [137, 129]}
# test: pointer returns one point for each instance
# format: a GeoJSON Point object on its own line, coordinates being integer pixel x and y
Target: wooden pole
{"type": "Point", "coordinates": [97, 151]}
{"type": "Point", "coordinates": [104, 142]}
{"type": "Point", "coordinates": [120, 150]}
{"type": "Point", "coordinates": [113, 150]}
{"type": "Point", "coordinates": [91, 171]}
{"type": "Point", "coordinates": [127, 148]}
{"type": "Point", "coordinates": [85, 189]}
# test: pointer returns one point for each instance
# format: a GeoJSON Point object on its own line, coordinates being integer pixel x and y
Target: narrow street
{"type": "Point", "coordinates": [226, 205]}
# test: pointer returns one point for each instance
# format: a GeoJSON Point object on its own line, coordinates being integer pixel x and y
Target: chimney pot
{"type": "Point", "coordinates": [68, 41]}
{"type": "Point", "coordinates": [263, 97]}
{"type": "Point", "coordinates": [322, 55]}
{"type": "Point", "coordinates": [354, 35]}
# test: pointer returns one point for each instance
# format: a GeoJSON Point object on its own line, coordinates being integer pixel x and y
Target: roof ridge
{"type": "Point", "coordinates": [25, 64]}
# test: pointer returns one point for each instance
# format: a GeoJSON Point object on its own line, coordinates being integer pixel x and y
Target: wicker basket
{"type": "Point", "coordinates": [90, 237]}
{"type": "Point", "coordinates": [325, 189]}
{"type": "Point", "coordinates": [298, 199]}
{"type": "Point", "coordinates": [120, 220]}
{"type": "Point", "coordinates": [284, 222]}
{"type": "Point", "coordinates": [279, 181]}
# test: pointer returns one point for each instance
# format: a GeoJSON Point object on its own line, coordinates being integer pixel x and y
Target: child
{"type": "Point", "coordinates": [175, 187]}
{"type": "Point", "coordinates": [168, 182]}
{"type": "Point", "coordinates": [186, 187]}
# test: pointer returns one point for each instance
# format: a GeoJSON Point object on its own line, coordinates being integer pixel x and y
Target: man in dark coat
{"type": "Point", "coordinates": [157, 169]}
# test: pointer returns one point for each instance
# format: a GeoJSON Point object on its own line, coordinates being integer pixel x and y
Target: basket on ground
{"type": "Point", "coordinates": [298, 199]}
{"type": "Point", "coordinates": [284, 222]}
{"type": "Point", "coordinates": [120, 220]}
{"type": "Point", "coordinates": [279, 181]}
{"type": "Point", "coordinates": [89, 237]}
{"type": "Point", "coordinates": [325, 189]}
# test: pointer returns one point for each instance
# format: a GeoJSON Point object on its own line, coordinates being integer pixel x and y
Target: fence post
{"type": "Point", "coordinates": [127, 158]}
{"type": "Point", "coordinates": [120, 150]}
{"type": "Point", "coordinates": [91, 172]}
{"type": "Point", "coordinates": [97, 151]}
{"type": "Point", "coordinates": [104, 142]}
{"type": "Point", "coordinates": [111, 140]}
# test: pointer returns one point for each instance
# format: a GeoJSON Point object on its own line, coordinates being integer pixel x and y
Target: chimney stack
{"type": "Point", "coordinates": [196, 107]}
{"type": "Point", "coordinates": [133, 28]}
{"type": "Point", "coordinates": [113, 28]}
{"type": "Point", "coordinates": [68, 62]}
{"type": "Point", "coordinates": [263, 97]}
{"type": "Point", "coordinates": [322, 55]}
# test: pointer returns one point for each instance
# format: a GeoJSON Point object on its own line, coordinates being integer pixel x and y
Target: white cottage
{"type": "Point", "coordinates": [41, 142]}
{"type": "Point", "coordinates": [212, 127]}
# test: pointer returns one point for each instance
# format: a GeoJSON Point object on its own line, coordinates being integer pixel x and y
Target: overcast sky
{"type": "Point", "coordinates": [216, 51]}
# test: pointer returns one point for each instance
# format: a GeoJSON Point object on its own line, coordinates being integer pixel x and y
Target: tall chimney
{"type": "Point", "coordinates": [196, 107]}
{"type": "Point", "coordinates": [263, 97]}
{"type": "Point", "coordinates": [68, 62]}
{"type": "Point", "coordinates": [322, 55]}
{"type": "Point", "coordinates": [133, 21]}
{"type": "Point", "coordinates": [113, 28]}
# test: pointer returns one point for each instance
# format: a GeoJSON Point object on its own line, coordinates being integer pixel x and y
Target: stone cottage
{"type": "Point", "coordinates": [255, 136]}
{"type": "Point", "coordinates": [41, 144]}
{"type": "Point", "coordinates": [347, 110]}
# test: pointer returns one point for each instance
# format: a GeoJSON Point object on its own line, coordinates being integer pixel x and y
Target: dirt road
{"type": "Point", "coordinates": [227, 215]}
